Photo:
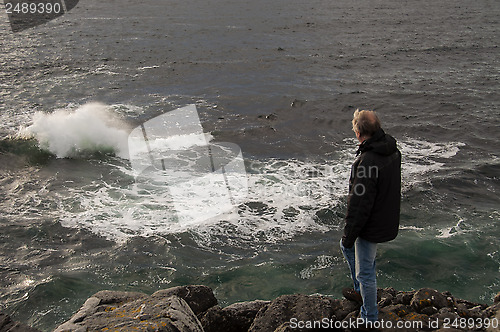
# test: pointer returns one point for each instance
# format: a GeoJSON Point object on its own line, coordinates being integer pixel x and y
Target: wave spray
{"type": "Point", "coordinates": [88, 129]}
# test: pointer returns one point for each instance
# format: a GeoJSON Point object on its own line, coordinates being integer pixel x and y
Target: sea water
{"type": "Point", "coordinates": [279, 80]}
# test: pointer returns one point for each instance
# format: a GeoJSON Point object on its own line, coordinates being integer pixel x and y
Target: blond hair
{"type": "Point", "coordinates": [366, 123]}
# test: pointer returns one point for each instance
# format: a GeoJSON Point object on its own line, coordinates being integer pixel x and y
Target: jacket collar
{"type": "Point", "coordinates": [365, 146]}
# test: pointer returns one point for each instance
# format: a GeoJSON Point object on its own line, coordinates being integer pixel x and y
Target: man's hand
{"type": "Point", "coordinates": [347, 244]}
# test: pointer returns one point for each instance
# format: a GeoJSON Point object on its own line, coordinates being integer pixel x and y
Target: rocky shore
{"type": "Point", "coordinates": [195, 309]}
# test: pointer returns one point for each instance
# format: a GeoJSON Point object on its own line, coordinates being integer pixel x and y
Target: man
{"type": "Point", "coordinates": [372, 207]}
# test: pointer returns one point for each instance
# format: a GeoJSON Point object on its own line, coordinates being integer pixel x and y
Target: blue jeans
{"type": "Point", "coordinates": [361, 260]}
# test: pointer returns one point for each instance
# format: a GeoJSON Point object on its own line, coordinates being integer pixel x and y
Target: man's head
{"type": "Point", "coordinates": [365, 124]}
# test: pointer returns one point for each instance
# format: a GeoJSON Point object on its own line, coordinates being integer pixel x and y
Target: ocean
{"type": "Point", "coordinates": [278, 80]}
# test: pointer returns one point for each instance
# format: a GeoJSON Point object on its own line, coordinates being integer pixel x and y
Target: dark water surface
{"type": "Point", "coordinates": [281, 80]}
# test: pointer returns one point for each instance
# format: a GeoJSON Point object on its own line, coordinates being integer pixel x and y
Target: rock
{"type": "Point", "coordinates": [166, 313]}
{"type": "Point", "coordinates": [491, 310]}
{"type": "Point", "coordinates": [344, 307]}
{"type": "Point", "coordinates": [200, 298]}
{"type": "Point", "coordinates": [403, 298]}
{"type": "Point", "coordinates": [466, 312]}
{"type": "Point", "coordinates": [389, 314]}
{"type": "Point", "coordinates": [402, 313]}
{"type": "Point", "coordinates": [234, 318]}
{"type": "Point", "coordinates": [195, 309]}
{"type": "Point", "coordinates": [416, 317]}
{"type": "Point", "coordinates": [427, 297]}
{"type": "Point", "coordinates": [287, 309]}
{"type": "Point", "coordinates": [170, 314]}
{"type": "Point", "coordinates": [8, 325]}
{"type": "Point", "coordinates": [449, 298]}
{"type": "Point", "coordinates": [88, 309]}
{"type": "Point", "coordinates": [215, 319]}
{"type": "Point", "coordinates": [350, 320]}
{"type": "Point", "coordinates": [494, 319]}
{"type": "Point", "coordinates": [469, 304]}
{"type": "Point", "coordinates": [399, 310]}
{"type": "Point", "coordinates": [384, 302]}
{"type": "Point", "coordinates": [101, 301]}
{"type": "Point", "coordinates": [285, 328]}
{"type": "Point", "coordinates": [385, 296]}
{"type": "Point", "coordinates": [386, 292]}
{"type": "Point", "coordinates": [444, 314]}
{"type": "Point", "coordinates": [497, 298]}
{"type": "Point", "coordinates": [117, 298]}
{"type": "Point", "coordinates": [429, 311]}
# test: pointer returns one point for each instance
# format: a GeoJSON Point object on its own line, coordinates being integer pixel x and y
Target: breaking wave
{"type": "Point", "coordinates": [69, 133]}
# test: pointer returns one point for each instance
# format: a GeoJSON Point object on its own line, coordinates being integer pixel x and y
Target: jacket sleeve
{"type": "Point", "coordinates": [362, 193]}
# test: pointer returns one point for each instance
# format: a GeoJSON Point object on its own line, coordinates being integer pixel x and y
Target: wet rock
{"type": "Point", "coordinates": [497, 298]}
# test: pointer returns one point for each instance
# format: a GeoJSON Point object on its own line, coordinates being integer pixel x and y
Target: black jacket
{"type": "Point", "coordinates": [374, 192]}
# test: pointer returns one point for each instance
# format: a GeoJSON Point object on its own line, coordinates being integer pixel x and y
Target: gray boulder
{"type": "Point", "coordinates": [234, 318]}
{"type": "Point", "coordinates": [167, 310]}
{"type": "Point", "coordinates": [403, 297]}
{"type": "Point", "coordinates": [285, 310]}
{"type": "Point", "coordinates": [428, 298]}
{"type": "Point", "coordinates": [344, 307]}
{"type": "Point", "coordinates": [200, 298]}
{"type": "Point", "coordinates": [166, 314]}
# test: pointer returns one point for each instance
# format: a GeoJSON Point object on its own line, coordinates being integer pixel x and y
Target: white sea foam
{"type": "Point", "coordinates": [459, 228]}
{"type": "Point", "coordinates": [283, 198]}
{"type": "Point", "coordinates": [70, 132]}
{"type": "Point", "coordinates": [421, 157]}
